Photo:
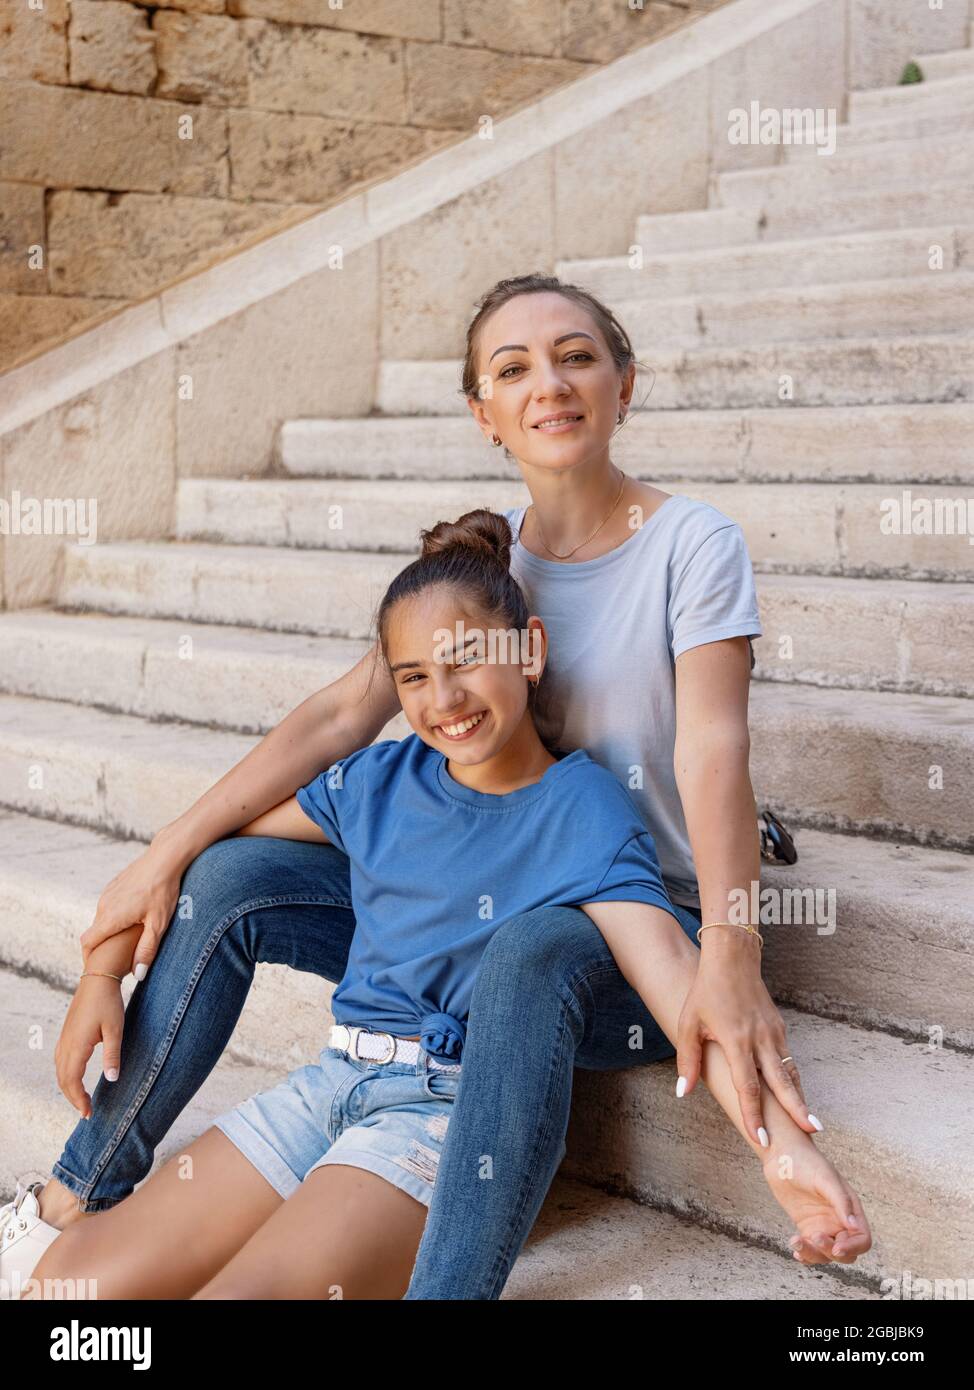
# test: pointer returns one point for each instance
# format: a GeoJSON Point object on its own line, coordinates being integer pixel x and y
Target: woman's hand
{"type": "Point", "coordinates": [146, 891]}
{"type": "Point", "coordinates": [828, 1215]}
{"type": "Point", "coordinates": [96, 1015]}
{"type": "Point", "coordinates": [729, 1004]}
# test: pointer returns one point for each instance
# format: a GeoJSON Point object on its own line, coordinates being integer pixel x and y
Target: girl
{"type": "Point", "coordinates": [319, 1188]}
{"type": "Point", "coordinates": [650, 671]}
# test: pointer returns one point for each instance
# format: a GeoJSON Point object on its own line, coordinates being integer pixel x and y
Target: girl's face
{"type": "Point", "coordinates": [542, 355]}
{"type": "Point", "coordinates": [443, 682]}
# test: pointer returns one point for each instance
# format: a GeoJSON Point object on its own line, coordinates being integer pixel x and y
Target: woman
{"type": "Point", "coordinates": [535, 349]}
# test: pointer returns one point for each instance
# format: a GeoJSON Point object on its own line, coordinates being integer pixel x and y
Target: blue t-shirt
{"type": "Point", "coordinates": [436, 868]}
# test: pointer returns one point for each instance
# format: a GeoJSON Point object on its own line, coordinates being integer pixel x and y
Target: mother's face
{"type": "Point", "coordinates": [541, 355]}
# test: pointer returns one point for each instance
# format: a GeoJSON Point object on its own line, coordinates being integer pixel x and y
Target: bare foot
{"type": "Point", "coordinates": [59, 1205]}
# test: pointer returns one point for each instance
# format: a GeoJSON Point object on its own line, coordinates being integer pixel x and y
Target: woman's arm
{"type": "Point", "coordinates": [286, 822]}
{"type": "Point", "coordinates": [347, 715]}
{"type": "Point", "coordinates": [656, 957]}
{"type": "Point", "coordinates": [729, 1001]}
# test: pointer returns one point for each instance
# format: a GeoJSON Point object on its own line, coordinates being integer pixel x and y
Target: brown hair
{"type": "Point", "coordinates": [472, 556]}
{"type": "Point", "coordinates": [616, 337]}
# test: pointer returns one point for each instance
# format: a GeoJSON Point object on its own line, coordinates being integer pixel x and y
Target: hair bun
{"type": "Point", "coordinates": [481, 532]}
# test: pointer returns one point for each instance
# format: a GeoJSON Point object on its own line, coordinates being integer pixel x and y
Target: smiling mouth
{"type": "Point", "coordinates": [550, 426]}
{"type": "Point", "coordinates": [463, 728]}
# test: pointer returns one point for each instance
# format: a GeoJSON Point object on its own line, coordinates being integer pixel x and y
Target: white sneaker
{"type": "Point", "coordinates": [23, 1239]}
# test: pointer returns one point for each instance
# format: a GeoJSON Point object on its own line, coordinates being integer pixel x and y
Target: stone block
{"type": "Point", "coordinates": [125, 246]}
{"type": "Point", "coordinates": [326, 73]}
{"type": "Point", "coordinates": [65, 138]}
{"type": "Point", "coordinates": [596, 31]}
{"type": "Point", "coordinates": [111, 47]}
{"type": "Point", "coordinates": [314, 159]}
{"type": "Point", "coordinates": [419, 19]}
{"type": "Point", "coordinates": [201, 58]}
{"type": "Point", "coordinates": [452, 86]}
{"type": "Point", "coordinates": [22, 268]}
{"type": "Point", "coordinates": [32, 42]}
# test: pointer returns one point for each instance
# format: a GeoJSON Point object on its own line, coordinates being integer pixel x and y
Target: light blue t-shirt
{"type": "Point", "coordinates": [437, 867]}
{"type": "Point", "coordinates": [617, 625]}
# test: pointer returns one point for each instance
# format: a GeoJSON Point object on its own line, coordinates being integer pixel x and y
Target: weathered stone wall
{"type": "Point", "coordinates": [142, 141]}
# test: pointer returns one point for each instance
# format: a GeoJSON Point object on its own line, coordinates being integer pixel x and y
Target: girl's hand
{"type": "Point", "coordinates": [822, 1205]}
{"type": "Point", "coordinates": [728, 1003]}
{"type": "Point", "coordinates": [146, 891]}
{"type": "Point", "coordinates": [96, 1015]}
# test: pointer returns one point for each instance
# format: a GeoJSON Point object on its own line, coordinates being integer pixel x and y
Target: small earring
{"type": "Point", "coordinates": [495, 440]}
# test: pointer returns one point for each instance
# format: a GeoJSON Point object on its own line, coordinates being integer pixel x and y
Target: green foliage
{"type": "Point", "coordinates": [911, 73]}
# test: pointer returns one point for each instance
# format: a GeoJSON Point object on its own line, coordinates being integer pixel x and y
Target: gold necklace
{"type": "Point", "coordinates": [587, 538]}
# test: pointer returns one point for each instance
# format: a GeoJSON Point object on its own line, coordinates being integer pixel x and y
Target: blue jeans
{"type": "Point", "coordinates": [288, 902]}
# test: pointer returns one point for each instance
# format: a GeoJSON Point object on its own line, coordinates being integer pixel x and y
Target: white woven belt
{"type": "Point", "coordinates": [367, 1046]}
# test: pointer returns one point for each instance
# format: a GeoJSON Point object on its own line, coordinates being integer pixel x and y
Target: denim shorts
{"type": "Point", "coordinates": [390, 1119]}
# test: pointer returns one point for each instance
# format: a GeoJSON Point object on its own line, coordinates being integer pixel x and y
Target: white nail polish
{"type": "Point", "coordinates": [763, 1136]}
{"type": "Point", "coordinates": [140, 970]}
{"type": "Point", "coordinates": [814, 1123]}
{"type": "Point", "coordinates": [111, 1074]}
{"type": "Point", "coordinates": [681, 1086]}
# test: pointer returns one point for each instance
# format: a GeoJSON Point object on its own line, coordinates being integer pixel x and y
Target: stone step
{"type": "Point", "coordinates": [930, 120]}
{"type": "Point", "coordinates": [893, 766]}
{"type": "Point", "coordinates": [828, 758]}
{"type": "Point", "coordinates": [823, 528]}
{"type": "Point", "coordinates": [886, 443]}
{"type": "Point", "coordinates": [844, 951]}
{"type": "Point", "coordinates": [879, 103]}
{"type": "Point", "coordinates": [240, 678]}
{"type": "Point", "coordinates": [905, 637]}
{"type": "Point", "coordinates": [898, 1125]}
{"type": "Point", "coordinates": [864, 901]}
{"type": "Point", "coordinates": [704, 229]}
{"type": "Point", "coordinates": [781, 215]}
{"type": "Point", "coordinates": [586, 1243]}
{"type": "Point", "coordinates": [111, 772]}
{"type": "Point", "coordinates": [958, 62]}
{"type": "Point", "coordinates": [871, 256]}
{"type": "Point", "coordinates": [831, 623]}
{"type": "Point", "coordinates": [889, 164]}
{"type": "Point", "coordinates": [930, 302]}
{"type": "Point", "coordinates": [851, 371]}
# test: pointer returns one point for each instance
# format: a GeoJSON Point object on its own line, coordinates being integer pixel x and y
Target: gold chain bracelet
{"type": "Point", "coordinates": [106, 973]}
{"type": "Point", "coordinates": [741, 925]}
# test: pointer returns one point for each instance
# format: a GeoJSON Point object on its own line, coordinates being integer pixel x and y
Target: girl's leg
{"type": "Point", "coordinates": [345, 1233]}
{"type": "Point", "coordinates": [548, 996]}
{"type": "Point", "coordinates": [243, 900]}
{"type": "Point", "coordinates": [170, 1237]}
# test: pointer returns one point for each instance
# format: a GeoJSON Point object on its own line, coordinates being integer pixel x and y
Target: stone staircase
{"type": "Point", "coordinates": [830, 260]}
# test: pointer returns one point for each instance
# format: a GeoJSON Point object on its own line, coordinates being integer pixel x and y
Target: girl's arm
{"type": "Point", "coordinates": [660, 962]}
{"type": "Point", "coordinates": [728, 1000]}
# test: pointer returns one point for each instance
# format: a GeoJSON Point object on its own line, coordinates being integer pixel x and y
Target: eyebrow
{"type": "Point", "coordinates": [410, 665]}
{"type": "Point", "coordinates": [519, 347]}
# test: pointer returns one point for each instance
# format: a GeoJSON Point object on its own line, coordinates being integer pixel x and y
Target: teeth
{"type": "Point", "coordinates": [551, 424]}
{"type": "Point", "coordinates": [454, 729]}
